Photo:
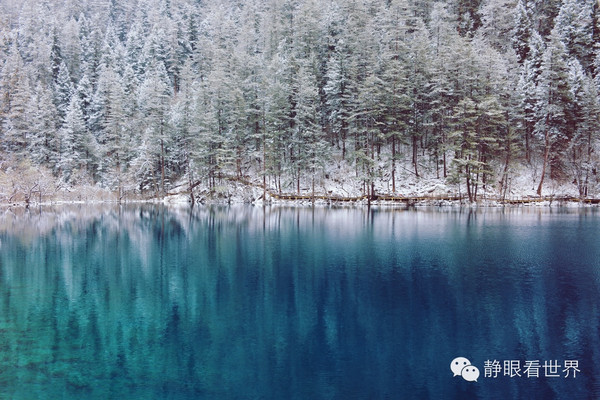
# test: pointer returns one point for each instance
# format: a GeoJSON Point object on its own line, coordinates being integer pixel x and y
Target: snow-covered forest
{"type": "Point", "coordinates": [141, 96]}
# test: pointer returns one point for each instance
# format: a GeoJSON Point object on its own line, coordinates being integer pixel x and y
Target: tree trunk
{"type": "Point", "coordinates": [162, 167]}
{"type": "Point", "coordinates": [504, 180]}
{"type": "Point", "coordinates": [527, 150]}
{"type": "Point", "coordinates": [588, 163]}
{"type": "Point", "coordinates": [264, 168]}
{"type": "Point", "coordinates": [476, 187]}
{"type": "Point", "coordinates": [190, 175]}
{"type": "Point", "coordinates": [394, 164]}
{"type": "Point", "coordinates": [546, 155]}
{"type": "Point", "coordinates": [191, 186]}
{"type": "Point", "coordinates": [468, 180]}
{"type": "Point", "coordinates": [415, 154]}
{"type": "Point", "coordinates": [372, 190]}
{"type": "Point", "coordinates": [444, 157]}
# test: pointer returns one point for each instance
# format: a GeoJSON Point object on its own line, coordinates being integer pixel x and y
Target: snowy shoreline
{"type": "Point", "coordinates": [182, 200]}
{"type": "Point", "coordinates": [338, 188]}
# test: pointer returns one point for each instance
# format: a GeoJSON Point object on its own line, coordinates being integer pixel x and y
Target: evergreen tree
{"type": "Point", "coordinates": [469, 18]}
{"type": "Point", "coordinates": [109, 122]}
{"type": "Point", "coordinates": [338, 94]}
{"type": "Point", "coordinates": [85, 91]}
{"type": "Point", "coordinates": [153, 102]}
{"type": "Point", "coordinates": [544, 13]}
{"type": "Point", "coordinates": [521, 32]}
{"type": "Point", "coordinates": [44, 143]}
{"type": "Point", "coordinates": [444, 94]}
{"type": "Point", "coordinates": [585, 125]}
{"type": "Point", "coordinates": [308, 145]}
{"type": "Point", "coordinates": [88, 57]}
{"type": "Point", "coordinates": [527, 101]}
{"type": "Point", "coordinates": [56, 58]}
{"type": "Point", "coordinates": [475, 136]}
{"type": "Point", "coordinates": [16, 91]}
{"type": "Point", "coordinates": [184, 156]}
{"type": "Point", "coordinates": [498, 21]}
{"type": "Point", "coordinates": [63, 90]}
{"type": "Point", "coordinates": [418, 87]}
{"type": "Point", "coordinates": [277, 123]}
{"type": "Point", "coordinates": [575, 25]}
{"type": "Point", "coordinates": [465, 163]}
{"type": "Point", "coordinates": [77, 150]}
{"type": "Point", "coordinates": [553, 98]}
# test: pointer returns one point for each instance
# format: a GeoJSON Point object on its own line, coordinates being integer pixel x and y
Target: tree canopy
{"type": "Point", "coordinates": [141, 94]}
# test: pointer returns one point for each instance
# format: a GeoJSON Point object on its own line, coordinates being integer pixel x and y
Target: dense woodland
{"type": "Point", "coordinates": [137, 96]}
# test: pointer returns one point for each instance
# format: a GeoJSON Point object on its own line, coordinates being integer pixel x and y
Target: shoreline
{"type": "Point", "coordinates": [179, 200]}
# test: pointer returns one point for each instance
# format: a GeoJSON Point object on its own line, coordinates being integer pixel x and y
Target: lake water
{"type": "Point", "coordinates": [298, 303]}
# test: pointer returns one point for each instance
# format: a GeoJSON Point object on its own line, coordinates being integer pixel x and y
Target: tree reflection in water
{"type": "Point", "coordinates": [248, 302]}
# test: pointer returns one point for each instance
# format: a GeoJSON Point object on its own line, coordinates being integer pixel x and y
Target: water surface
{"type": "Point", "coordinates": [295, 303]}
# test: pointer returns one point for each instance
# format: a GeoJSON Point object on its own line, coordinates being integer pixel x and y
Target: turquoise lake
{"type": "Point", "coordinates": [149, 302]}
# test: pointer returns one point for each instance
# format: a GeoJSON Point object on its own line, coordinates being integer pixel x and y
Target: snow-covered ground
{"type": "Point", "coordinates": [340, 180]}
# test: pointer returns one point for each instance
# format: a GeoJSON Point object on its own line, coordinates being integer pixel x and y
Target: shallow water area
{"type": "Point", "coordinates": [152, 302]}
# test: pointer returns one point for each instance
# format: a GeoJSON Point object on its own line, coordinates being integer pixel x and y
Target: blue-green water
{"type": "Point", "coordinates": [296, 303]}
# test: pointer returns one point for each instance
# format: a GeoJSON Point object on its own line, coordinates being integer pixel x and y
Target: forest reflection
{"type": "Point", "coordinates": [275, 302]}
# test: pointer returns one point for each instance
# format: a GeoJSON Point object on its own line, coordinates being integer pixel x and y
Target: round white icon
{"type": "Point", "coordinates": [470, 373]}
{"type": "Point", "coordinates": [462, 366]}
{"type": "Point", "coordinates": [458, 364]}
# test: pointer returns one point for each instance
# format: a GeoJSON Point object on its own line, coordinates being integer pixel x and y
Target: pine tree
{"type": "Point", "coordinates": [134, 47]}
{"type": "Point", "coordinates": [575, 24]}
{"type": "Point", "coordinates": [498, 21]}
{"type": "Point", "coordinates": [393, 23]}
{"type": "Point", "coordinates": [248, 76]}
{"type": "Point", "coordinates": [527, 99]}
{"type": "Point", "coordinates": [16, 91]}
{"type": "Point", "coordinates": [184, 155]}
{"type": "Point", "coordinates": [418, 87]}
{"type": "Point", "coordinates": [277, 124]}
{"type": "Point", "coordinates": [521, 32]}
{"type": "Point", "coordinates": [338, 93]}
{"type": "Point", "coordinates": [553, 98]}
{"type": "Point", "coordinates": [63, 90]}
{"type": "Point", "coordinates": [153, 102]}
{"type": "Point", "coordinates": [544, 13]}
{"type": "Point", "coordinates": [56, 58]}
{"type": "Point", "coordinates": [509, 135]}
{"type": "Point", "coordinates": [475, 135]}
{"type": "Point", "coordinates": [537, 47]}
{"type": "Point", "coordinates": [108, 121]}
{"type": "Point", "coordinates": [89, 61]}
{"type": "Point", "coordinates": [43, 143]}
{"type": "Point", "coordinates": [71, 47]}
{"type": "Point", "coordinates": [468, 16]}
{"type": "Point", "coordinates": [308, 143]}
{"type": "Point", "coordinates": [585, 124]}
{"type": "Point", "coordinates": [444, 94]}
{"type": "Point", "coordinates": [85, 91]}
{"type": "Point", "coordinates": [465, 163]}
{"type": "Point", "coordinates": [77, 149]}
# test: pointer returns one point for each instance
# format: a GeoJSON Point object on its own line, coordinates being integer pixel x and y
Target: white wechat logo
{"type": "Point", "coordinates": [461, 366]}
